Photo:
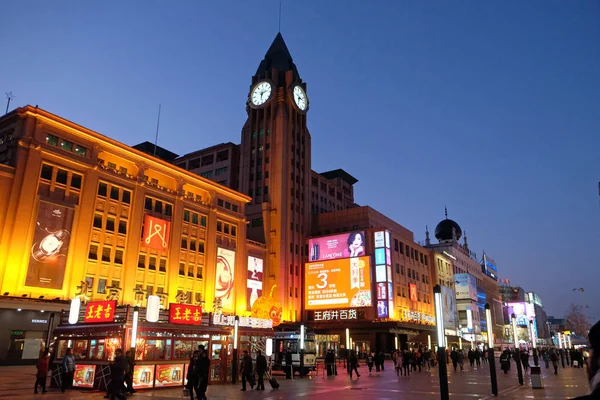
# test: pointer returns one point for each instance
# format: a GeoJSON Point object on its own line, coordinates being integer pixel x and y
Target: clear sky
{"type": "Point", "coordinates": [490, 109]}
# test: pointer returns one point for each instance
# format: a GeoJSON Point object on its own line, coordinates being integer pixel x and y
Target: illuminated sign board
{"type": "Point", "coordinates": [380, 274]}
{"type": "Point", "coordinates": [380, 256]}
{"type": "Point", "coordinates": [84, 375]}
{"type": "Point", "coordinates": [224, 277]}
{"type": "Point", "coordinates": [465, 286]}
{"type": "Point", "coordinates": [333, 247]}
{"type": "Point", "coordinates": [382, 291]}
{"type": "Point", "coordinates": [335, 315]}
{"type": "Point", "coordinates": [156, 233]}
{"type": "Point", "coordinates": [379, 239]}
{"type": "Point", "coordinates": [254, 282]}
{"type": "Point", "coordinates": [449, 307]}
{"type": "Point", "coordinates": [343, 283]}
{"type": "Point", "coordinates": [383, 274]}
{"type": "Point", "coordinates": [416, 316]}
{"type": "Point", "coordinates": [185, 314]}
{"type": "Point", "coordinates": [245, 322]}
{"type": "Point", "coordinates": [100, 311]}
{"type": "Point", "coordinates": [382, 309]}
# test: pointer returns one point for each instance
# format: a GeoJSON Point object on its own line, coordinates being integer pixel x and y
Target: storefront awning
{"type": "Point", "coordinates": [69, 328]}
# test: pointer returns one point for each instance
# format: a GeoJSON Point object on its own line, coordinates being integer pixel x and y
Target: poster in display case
{"type": "Point", "coordinates": [168, 375]}
{"type": "Point", "coordinates": [84, 376]}
{"type": "Point", "coordinates": [143, 376]}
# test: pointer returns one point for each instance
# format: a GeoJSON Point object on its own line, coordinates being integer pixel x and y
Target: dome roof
{"type": "Point", "coordinates": [443, 231]}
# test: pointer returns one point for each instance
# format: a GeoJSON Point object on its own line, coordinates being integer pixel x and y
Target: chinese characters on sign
{"type": "Point", "coordinates": [335, 315]}
{"type": "Point", "coordinates": [185, 314]}
{"type": "Point", "coordinates": [100, 311]}
{"type": "Point", "coordinates": [247, 322]}
{"type": "Point", "coordinates": [156, 233]}
{"type": "Point", "coordinates": [415, 316]}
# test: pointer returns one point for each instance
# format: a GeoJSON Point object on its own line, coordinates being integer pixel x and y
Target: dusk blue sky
{"type": "Point", "coordinates": [492, 109]}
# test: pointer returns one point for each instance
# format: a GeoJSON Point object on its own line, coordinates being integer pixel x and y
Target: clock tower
{"type": "Point", "coordinates": [275, 171]}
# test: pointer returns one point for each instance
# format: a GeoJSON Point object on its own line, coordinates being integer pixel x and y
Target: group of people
{"type": "Point", "coordinates": [410, 360]}
{"type": "Point", "coordinates": [197, 375]}
{"type": "Point", "coordinates": [247, 370]}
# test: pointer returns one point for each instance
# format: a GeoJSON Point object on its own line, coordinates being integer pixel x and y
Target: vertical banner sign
{"type": "Point", "coordinates": [412, 289]}
{"type": "Point", "coordinates": [254, 283]}
{"type": "Point", "coordinates": [383, 274]}
{"type": "Point", "coordinates": [48, 254]}
{"type": "Point", "coordinates": [224, 282]}
{"type": "Point", "coordinates": [156, 233]}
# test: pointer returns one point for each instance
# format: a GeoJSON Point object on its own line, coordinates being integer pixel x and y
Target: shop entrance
{"type": "Point", "coordinates": [221, 359]}
{"type": "Point", "coordinates": [25, 345]}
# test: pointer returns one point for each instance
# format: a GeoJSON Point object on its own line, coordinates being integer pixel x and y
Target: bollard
{"type": "Point", "coordinates": [536, 378]}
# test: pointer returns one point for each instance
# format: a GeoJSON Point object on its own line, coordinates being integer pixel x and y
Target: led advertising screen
{"type": "Point", "coordinates": [254, 282]}
{"type": "Point", "coordinates": [382, 309]}
{"type": "Point", "coordinates": [224, 283]}
{"type": "Point", "coordinates": [379, 239]}
{"type": "Point", "coordinates": [338, 284]}
{"type": "Point", "coordinates": [382, 289]}
{"type": "Point", "coordinates": [333, 247]}
{"type": "Point", "coordinates": [466, 287]}
{"type": "Point", "coordinates": [449, 307]}
{"type": "Point", "coordinates": [523, 311]}
{"type": "Point", "coordinates": [380, 273]}
{"type": "Point", "coordinates": [380, 256]}
{"type": "Point", "coordinates": [50, 247]}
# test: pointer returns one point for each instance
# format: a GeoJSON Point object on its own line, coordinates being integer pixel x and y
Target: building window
{"type": "Point", "coordinates": [110, 224]}
{"type": "Point", "coordinates": [114, 193]}
{"type": "Point", "coordinates": [152, 263]}
{"type": "Point", "coordinates": [66, 145]}
{"type": "Point", "coordinates": [142, 261]}
{"type": "Point", "coordinates": [162, 266]}
{"type": "Point", "coordinates": [80, 150]}
{"type": "Point", "coordinates": [46, 172]}
{"type": "Point", "coordinates": [126, 197]}
{"type": "Point", "coordinates": [61, 176]}
{"type": "Point", "coordinates": [52, 140]}
{"type": "Point", "coordinates": [219, 226]}
{"type": "Point", "coordinates": [106, 254]}
{"type": "Point", "coordinates": [119, 256]}
{"type": "Point", "coordinates": [206, 175]}
{"type": "Point", "coordinates": [186, 215]}
{"type": "Point", "coordinates": [184, 244]}
{"type": "Point", "coordinates": [220, 171]}
{"type": "Point", "coordinates": [234, 208]}
{"type": "Point", "coordinates": [98, 221]}
{"type": "Point", "coordinates": [182, 269]}
{"type": "Point", "coordinates": [93, 253]}
{"type": "Point", "coordinates": [101, 286]}
{"type": "Point", "coordinates": [102, 188]}
{"type": "Point", "coordinates": [168, 209]}
{"type": "Point", "coordinates": [76, 181]}
{"type": "Point", "coordinates": [203, 221]}
{"type": "Point", "coordinates": [123, 227]}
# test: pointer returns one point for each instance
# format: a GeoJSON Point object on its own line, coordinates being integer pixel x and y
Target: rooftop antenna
{"type": "Point", "coordinates": [157, 125]}
{"type": "Point", "coordinates": [9, 97]}
{"type": "Point", "coordinates": [279, 30]}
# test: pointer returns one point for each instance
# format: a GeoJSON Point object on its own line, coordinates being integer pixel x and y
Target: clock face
{"type": "Point", "coordinates": [300, 98]}
{"type": "Point", "coordinates": [261, 93]}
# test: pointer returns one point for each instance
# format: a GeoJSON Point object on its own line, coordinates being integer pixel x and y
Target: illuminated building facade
{"type": "Point", "coordinates": [410, 314]}
{"type": "Point", "coordinates": [81, 213]}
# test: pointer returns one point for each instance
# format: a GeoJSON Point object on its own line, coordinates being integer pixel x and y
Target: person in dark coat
{"type": "Point", "coordinates": [454, 358]}
{"type": "Point", "coordinates": [261, 368]}
{"type": "Point", "coordinates": [117, 375]}
{"type": "Point", "coordinates": [593, 364]}
{"type": "Point", "coordinates": [289, 369]}
{"type": "Point", "coordinates": [203, 364]}
{"type": "Point", "coordinates": [329, 361]}
{"type": "Point", "coordinates": [42, 373]}
{"type": "Point", "coordinates": [129, 373]}
{"type": "Point", "coordinates": [525, 360]}
{"type": "Point", "coordinates": [69, 366]}
{"type": "Point", "coordinates": [353, 360]}
{"type": "Point", "coordinates": [246, 371]}
{"type": "Point", "coordinates": [193, 376]}
{"type": "Point", "coordinates": [370, 360]}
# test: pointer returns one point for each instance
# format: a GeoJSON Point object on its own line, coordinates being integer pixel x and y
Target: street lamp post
{"type": "Point", "coordinates": [517, 352]}
{"type": "Point", "coordinates": [491, 357]}
{"type": "Point", "coordinates": [234, 369]}
{"type": "Point", "coordinates": [439, 322]}
{"type": "Point", "coordinates": [302, 329]}
{"type": "Point", "coordinates": [534, 344]}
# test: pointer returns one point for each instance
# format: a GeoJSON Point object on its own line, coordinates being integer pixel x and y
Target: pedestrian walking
{"type": "Point", "coordinates": [246, 371]}
{"type": "Point", "coordinates": [203, 370]}
{"type": "Point", "coordinates": [370, 361]}
{"type": "Point", "coordinates": [406, 362]}
{"type": "Point", "coordinates": [525, 360]}
{"type": "Point", "coordinates": [461, 360]}
{"type": "Point", "coordinates": [554, 358]}
{"type": "Point", "coordinates": [42, 373]}
{"type": "Point", "coordinates": [129, 354]}
{"type": "Point", "coordinates": [353, 364]}
{"type": "Point", "coordinates": [261, 368]}
{"type": "Point", "coordinates": [471, 356]}
{"type": "Point", "coordinates": [546, 357]}
{"type": "Point", "coordinates": [69, 366]}
{"type": "Point", "coordinates": [193, 376]}
{"type": "Point", "coordinates": [477, 355]}
{"type": "Point", "coordinates": [454, 358]}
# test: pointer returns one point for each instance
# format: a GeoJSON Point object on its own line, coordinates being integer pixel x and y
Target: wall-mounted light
{"type": "Point", "coordinates": [41, 310]}
{"type": "Point", "coordinates": [134, 328]}
{"type": "Point", "coordinates": [236, 325]}
{"type": "Point", "coordinates": [74, 310]}
{"type": "Point", "coordinates": [153, 308]}
{"type": "Point", "coordinates": [18, 309]}
{"type": "Point", "coordinates": [269, 347]}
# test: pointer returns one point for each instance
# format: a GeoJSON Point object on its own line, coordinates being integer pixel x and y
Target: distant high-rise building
{"type": "Point", "coordinates": [219, 163]}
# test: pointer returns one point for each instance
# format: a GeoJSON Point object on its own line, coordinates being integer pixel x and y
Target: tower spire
{"type": "Point", "coordinates": [427, 240]}
{"type": "Point", "coordinates": [446, 211]}
{"type": "Point", "coordinates": [279, 28]}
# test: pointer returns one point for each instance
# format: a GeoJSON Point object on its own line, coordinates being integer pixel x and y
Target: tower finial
{"type": "Point", "coordinates": [446, 211]}
{"type": "Point", "coordinates": [427, 241]}
{"type": "Point", "coordinates": [279, 29]}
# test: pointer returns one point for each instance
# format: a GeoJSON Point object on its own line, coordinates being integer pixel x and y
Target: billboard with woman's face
{"type": "Point", "coordinates": [224, 277]}
{"type": "Point", "coordinates": [343, 245]}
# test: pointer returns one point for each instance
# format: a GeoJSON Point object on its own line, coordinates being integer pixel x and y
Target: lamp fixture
{"type": "Point", "coordinates": [19, 310]}
{"type": "Point", "coordinates": [6, 293]}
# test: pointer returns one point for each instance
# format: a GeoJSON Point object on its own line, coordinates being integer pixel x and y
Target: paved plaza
{"type": "Point", "coordinates": [17, 383]}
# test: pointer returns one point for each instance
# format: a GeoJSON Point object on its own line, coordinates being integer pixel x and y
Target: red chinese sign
{"type": "Point", "coordinates": [412, 291]}
{"type": "Point", "coordinates": [156, 233]}
{"type": "Point", "coordinates": [185, 314]}
{"type": "Point", "coordinates": [100, 311]}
